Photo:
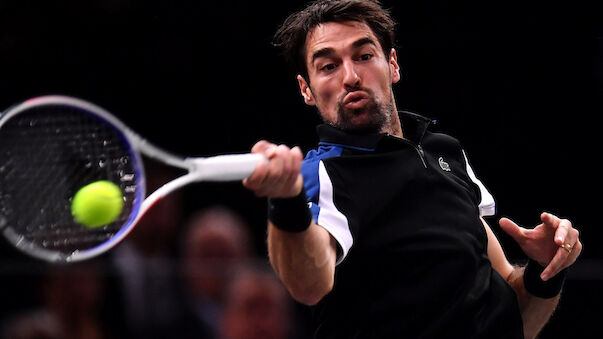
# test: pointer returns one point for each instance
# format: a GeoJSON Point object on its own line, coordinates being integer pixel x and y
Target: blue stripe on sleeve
{"type": "Point", "coordinates": [309, 172]}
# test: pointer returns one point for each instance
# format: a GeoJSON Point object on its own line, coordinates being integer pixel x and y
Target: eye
{"type": "Point", "coordinates": [328, 67]}
{"type": "Point", "coordinates": [365, 57]}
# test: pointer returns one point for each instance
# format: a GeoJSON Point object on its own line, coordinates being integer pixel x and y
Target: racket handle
{"type": "Point", "coordinates": [227, 167]}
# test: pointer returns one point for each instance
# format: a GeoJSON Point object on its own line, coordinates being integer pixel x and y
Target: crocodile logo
{"type": "Point", "coordinates": [443, 164]}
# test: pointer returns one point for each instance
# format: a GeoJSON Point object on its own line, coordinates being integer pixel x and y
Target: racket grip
{"type": "Point", "coordinates": [230, 167]}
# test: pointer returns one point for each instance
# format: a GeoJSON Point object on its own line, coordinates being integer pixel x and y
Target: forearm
{"type": "Point", "coordinates": [302, 253]}
{"type": "Point", "coordinates": [535, 311]}
{"type": "Point", "coordinates": [304, 261]}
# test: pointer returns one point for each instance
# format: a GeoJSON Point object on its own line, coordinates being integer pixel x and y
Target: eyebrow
{"type": "Point", "coordinates": [364, 41]}
{"type": "Point", "coordinates": [325, 52]}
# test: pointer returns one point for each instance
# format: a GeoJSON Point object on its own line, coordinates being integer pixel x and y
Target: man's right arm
{"type": "Point", "coordinates": [305, 260]}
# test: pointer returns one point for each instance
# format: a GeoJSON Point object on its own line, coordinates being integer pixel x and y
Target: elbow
{"type": "Point", "coordinates": [310, 295]}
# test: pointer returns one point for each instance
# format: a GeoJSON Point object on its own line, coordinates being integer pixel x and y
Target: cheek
{"type": "Point", "coordinates": [325, 96]}
{"type": "Point", "coordinates": [327, 99]}
{"type": "Point", "coordinates": [382, 86]}
{"type": "Point", "coordinates": [323, 89]}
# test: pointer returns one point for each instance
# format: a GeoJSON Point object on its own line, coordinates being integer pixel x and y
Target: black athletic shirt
{"type": "Point", "coordinates": [412, 251]}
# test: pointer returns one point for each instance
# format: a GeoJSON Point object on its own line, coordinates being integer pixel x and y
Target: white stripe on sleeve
{"type": "Point", "coordinates": [487, 206]}
{"type": "Point", "coordinates": [329, 217]}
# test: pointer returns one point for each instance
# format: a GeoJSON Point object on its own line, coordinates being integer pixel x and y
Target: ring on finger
{"type": "Point", "coordinates": [567, 247]}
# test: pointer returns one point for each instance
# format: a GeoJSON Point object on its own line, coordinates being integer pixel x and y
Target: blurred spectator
{"type": "Point", "coordinates": [146, 276]}
{"type": "Point", "coordinates": [256, 306]}
{"type": "Point", "coordinates": [72, 300]}
{"type": "Point", "coordinates": [215, 241]}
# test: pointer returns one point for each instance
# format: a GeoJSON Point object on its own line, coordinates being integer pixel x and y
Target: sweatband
{"type": "Point", "coordinates": [539, 288]}
{"type": "Point", "coordinates": [290, 214]}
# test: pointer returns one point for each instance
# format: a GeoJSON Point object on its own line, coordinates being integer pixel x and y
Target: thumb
{"type": "Point", "coordinates": [512, 229]}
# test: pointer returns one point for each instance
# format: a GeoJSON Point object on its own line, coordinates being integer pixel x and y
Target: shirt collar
{"type": "Point", "coordinates": [414, 127]}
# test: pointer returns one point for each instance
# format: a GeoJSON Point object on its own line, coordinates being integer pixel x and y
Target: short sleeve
{"type": "Point", "coordinates": [320, 191]}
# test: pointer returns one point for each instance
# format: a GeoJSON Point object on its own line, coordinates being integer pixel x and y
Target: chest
{"type": "Point", "coordinates": [409, 200]}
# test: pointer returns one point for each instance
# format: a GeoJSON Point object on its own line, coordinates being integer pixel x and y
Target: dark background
{"type": "Point", "coordinates": [519, 83]}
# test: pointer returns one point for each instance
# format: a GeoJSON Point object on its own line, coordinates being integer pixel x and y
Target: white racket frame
{"type": "Point", "coordinates": [229, 167]}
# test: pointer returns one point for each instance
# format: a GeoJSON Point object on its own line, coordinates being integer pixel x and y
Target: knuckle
{"type": "Point", "coordinates": [260, 145]}
{"type": "Point", "coordinates": [297, 153]}
{"type": "Point", "coordinates": [282, 149]}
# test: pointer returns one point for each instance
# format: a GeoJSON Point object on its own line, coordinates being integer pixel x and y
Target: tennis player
{"type": "Point", "coordinates": [380, 228]}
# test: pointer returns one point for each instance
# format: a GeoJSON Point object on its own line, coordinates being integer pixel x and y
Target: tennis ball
{"type": "Point", "coordinates": [97, 204]}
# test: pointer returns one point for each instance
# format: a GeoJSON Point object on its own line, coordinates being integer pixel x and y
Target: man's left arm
{"type": "Point", "coordinates": [551, 247]}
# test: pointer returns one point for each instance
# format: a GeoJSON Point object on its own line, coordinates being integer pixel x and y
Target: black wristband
{"type": "Point", "coordinates": [539, 288]}
{"type": "Point", "coordinates": [290, 214]}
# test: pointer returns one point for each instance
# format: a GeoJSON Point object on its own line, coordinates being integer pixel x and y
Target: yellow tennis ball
{"type": "Point", "coordinates": [97, 204]}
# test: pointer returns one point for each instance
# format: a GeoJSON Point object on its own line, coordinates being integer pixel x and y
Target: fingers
{"type": "Point", "coordinates": [567, 239]}
{"type": "Point", "coordinates": [555, 244]}
{"type": "Point", "coordinates": [565, 256]}
{"type": "Point", "coordinates": [561, 226]}
{"type": "Point", "coordinates": [254, 181]}
{"type": "Point", "coordinates": [511, 228]}
{"type": "Point", "coordinates": [280, 177]}
{"type": "Point", "coordinates": [283, 169]}
{"type": "Point", "coordinates": [263, 146]}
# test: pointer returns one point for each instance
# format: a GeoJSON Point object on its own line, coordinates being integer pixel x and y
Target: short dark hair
{"type": "Point", "coordinates": [291, 36]}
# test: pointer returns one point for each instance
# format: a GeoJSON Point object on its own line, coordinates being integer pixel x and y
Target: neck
{"type": "Point", "coordinates": [394, 127]}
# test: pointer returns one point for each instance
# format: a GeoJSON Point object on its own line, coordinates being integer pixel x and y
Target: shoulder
{"type": "Point", "coordinates": [441, 140]}
{"type": "Point", "coordinates": [311, 166]}
{"type": "Point", "coordinates": [314, 157]}
{"type": "Point", "coordinates": [452, 152]}
{"type": "Point", "coordinates": [323, 151]}
{"type": "Point", "coordinates": [446, 146]}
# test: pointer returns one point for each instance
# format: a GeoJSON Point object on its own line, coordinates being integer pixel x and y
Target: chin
{"type": "Point", "coordinates": [362, 122]}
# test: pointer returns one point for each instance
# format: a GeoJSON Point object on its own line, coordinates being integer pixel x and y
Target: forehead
{"type": "Point", "coordinates": [337, 35]}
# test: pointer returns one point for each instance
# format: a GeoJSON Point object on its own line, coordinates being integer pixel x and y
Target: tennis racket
{"type": "Point", "coordinates": [51, 146]}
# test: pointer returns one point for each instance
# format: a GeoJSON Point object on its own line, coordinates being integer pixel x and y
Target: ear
{"type": "Point", "coordinates": [394, 67]}
{"type": "Point", "coordinates": [305, 91]}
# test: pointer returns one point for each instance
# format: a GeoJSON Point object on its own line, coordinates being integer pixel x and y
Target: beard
{"type": "Point", "coordinates": [374, 117]}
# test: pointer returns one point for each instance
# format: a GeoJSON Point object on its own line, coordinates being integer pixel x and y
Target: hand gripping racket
{"type": "Point", "coordinates": [51, 146]}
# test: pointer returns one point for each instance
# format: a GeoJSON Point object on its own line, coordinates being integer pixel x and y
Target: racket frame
{"type": "Point", "coordinates": [217, 168]}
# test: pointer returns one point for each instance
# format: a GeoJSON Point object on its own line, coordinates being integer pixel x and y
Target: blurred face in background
{"type": "Point", "coordinates": [256, 307]}
{"type": "Point", "coordinates": [216, 241]}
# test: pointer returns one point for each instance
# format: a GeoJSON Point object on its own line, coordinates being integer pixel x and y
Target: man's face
{"type": "Point", "coordinates": [350, 79]}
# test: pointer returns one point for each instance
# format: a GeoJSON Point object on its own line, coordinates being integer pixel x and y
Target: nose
{"type": "Point", "coordinates": [351, 79]}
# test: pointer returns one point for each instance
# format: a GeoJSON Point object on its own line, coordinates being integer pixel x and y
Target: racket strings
{"type": "Point", "coordinates": [47, 153]}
